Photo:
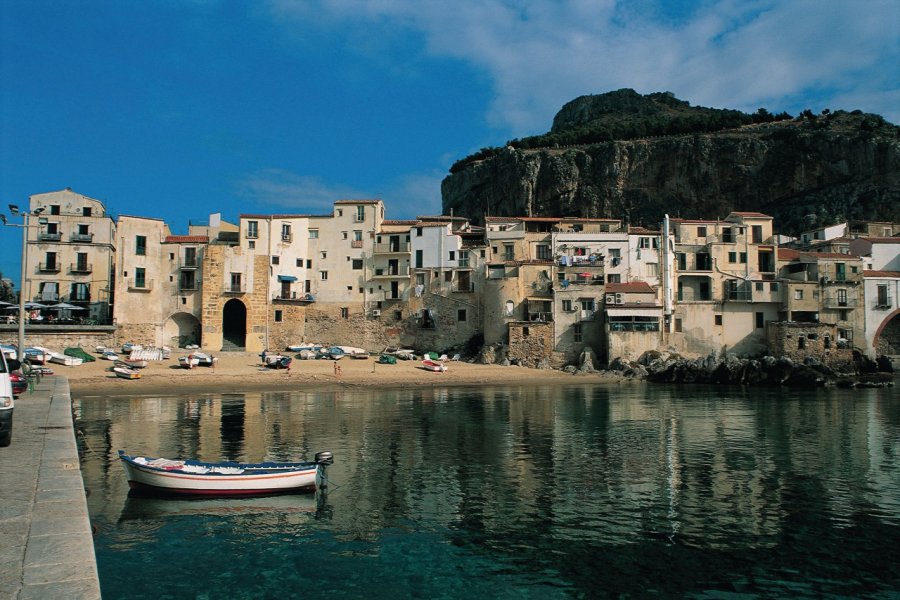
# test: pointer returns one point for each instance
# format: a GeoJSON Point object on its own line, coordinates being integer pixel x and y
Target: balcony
{"type": "Point", "coordinates": [580, 280]}
{"type": "Point", "coordinates": [188, 289]}
{"type": "Point", "coordinates": [398, 271]}
{"type": "Point", "coordinates": [540, 317]}
{"type": "Point", "coordinates": [189, 264]}
{"type": "Point", "coordinates": [252, 234]}
{"type": "Point", "coordinates": [465, 288]}
{"type": "Point", "coordinates": [82, 237]}
{"type": "Point", "coordinates": [81, 268]}
{"type": "Point", "coordinates": [48, 267]}
{"type": "Point", "coordinates": [294, 298]}
{"type": "Point", "coordinates": [392, 248]}
{"type": "Point", "coordinates": [138, 285]}
{"type": "Point", "coordinates": [49, 237]}
{"type": "Point", "coordinates": [830, 302]}
{"type": "Point", "coordinates": [738, 295]}
{"type": "Point", "coordinates": [883, 303]}
{"type": "Point", "coordinates": [356, 244]}
{"type": "Point", "coordinates": [287, 237]}
{"type": "Point", "coordinates": [234, 289]}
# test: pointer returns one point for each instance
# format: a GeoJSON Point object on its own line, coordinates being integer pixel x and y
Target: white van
{"type": "Point", "coordinates": [6, 402]}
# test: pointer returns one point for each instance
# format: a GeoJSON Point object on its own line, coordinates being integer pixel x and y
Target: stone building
{"type": "Point", "coordinates": [71, 256]}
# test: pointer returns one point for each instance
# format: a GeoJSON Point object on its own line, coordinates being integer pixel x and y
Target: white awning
{"type": "Point", "coordinates": [634, 312]}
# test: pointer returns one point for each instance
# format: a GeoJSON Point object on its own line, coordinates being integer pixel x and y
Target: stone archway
{"type": "Point", "coordinates": [182, 329]}
{"type": "Point", "coordinates": [234, 325]}
{"type": "Point", "coordinates": [887, 338]}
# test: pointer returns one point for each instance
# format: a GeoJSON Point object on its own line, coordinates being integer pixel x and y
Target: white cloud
{"type": "Point", "coordinates": [729, 53]}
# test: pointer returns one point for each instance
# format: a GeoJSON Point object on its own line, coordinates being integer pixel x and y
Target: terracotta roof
{"type": "Point", "coordinates": [639, 230]}
{"type": "Point", "coordinates": [704, 221]}
{"type": "Point", "coordinates": [881, 273]}
{"type": "Point", "coordinates": [186, 239]}
{"type": "Point", "coordinates": [357, 201]}
{"type": "Point", "coordinates": [831, 255]}
{"type": "Point", "coordinates": [441, 218]}
{"type": "Point", "coordinates": [882, 240]}
{"type": "Point", "coordinates": [283, 216]}
{"type": "Point", "coordinates": [788, 254]}
{"type": "Point", "coordinates": [632, 287]}
{"type": "Point", "coordinates": [398, 222]}
{"type": "Point", "coordinates": [751, 214]}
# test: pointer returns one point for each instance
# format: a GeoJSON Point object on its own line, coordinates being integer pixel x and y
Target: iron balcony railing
{"type": "Point", "coordinates": [389, 247]}
{"type": "Point", "coordinates": [81, 237]}
{"type": "Point", "coordinates": [398, 271]}
{"type": "Point", "coordinates": [48, 267]}
{"type": "Point", "coordinates": [81, 268]}
{"type": "Point", "coordinates": [140, 285]}
{"type": "Point", "coordinates": [49, 237]}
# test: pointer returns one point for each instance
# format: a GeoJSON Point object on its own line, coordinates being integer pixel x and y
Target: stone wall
{"type": "Point", "coordinates": [530, 343]}
{"type": "Point", "coordinates": [799, 341]}
{"type": "Point", "coordinates": [292, 327]}
{"type": "Point", "coordinates": [144, 334]}
{"type": "Point", "coordinates": [62, 336]}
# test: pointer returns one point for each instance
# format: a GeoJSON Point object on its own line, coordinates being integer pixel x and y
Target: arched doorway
{"type": "Point", "coordinates": [234, 325]}
{"type": "Point", "coordinates": [182, 329]}
{"type": "Point", "coordinates": [887, 338]}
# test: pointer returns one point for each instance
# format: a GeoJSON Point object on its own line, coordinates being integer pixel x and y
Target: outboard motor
{"type": "Point", "coordinates": [323, 459]}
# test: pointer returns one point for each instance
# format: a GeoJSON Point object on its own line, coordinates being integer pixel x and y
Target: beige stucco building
{"type": "Point", "coordinates": [71, 255]}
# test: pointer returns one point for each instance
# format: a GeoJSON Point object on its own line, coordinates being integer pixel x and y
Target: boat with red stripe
{"type": "Point", "coordinates": [197, 478]}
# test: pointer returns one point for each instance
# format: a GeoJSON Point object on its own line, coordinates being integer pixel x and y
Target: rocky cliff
{"type": "Point", "coordinates": [691, 162]}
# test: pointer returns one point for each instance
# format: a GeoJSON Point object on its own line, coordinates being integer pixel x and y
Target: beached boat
{"type": "Point", "coordinates": [303, 347]}
{"type": "Point", "coordinates": [196, 478]}
{"type": "Point", "coordinates": [204, 360]}
{"type": "Point", "coordinates": [400, 353]}
{"type": "Point", "coordinates": [37, 355]}
{"type": "Point", "coordinates": [79, 353]}
{"type": "Point", "coordinates": [109, 355]}
{"type": "Point", "coordinates": [278, 361]}
{"type": "Point", "coordinates": [65, 360]}
{"type": "Point", "coordinates": [188, 362]}
{"type": "Point", "coordinates": [131, 363]}
{"type": "Point", "coordinates": [334, 353]}
{"type": "Point", "coordinates": [353, 352]}
{"type": "Point", "coordinates": [126, 373]}
{"type": "Point", "coordinates": [433, 365]}
{"type": "Point", "coordinates": [9, 351]}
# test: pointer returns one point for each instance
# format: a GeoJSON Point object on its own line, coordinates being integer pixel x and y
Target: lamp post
{"type": "Point", "coordinates": [14, 210]}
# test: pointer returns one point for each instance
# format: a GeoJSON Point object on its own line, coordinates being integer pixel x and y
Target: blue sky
{"type": "Point", "coordinates": [177, 109]}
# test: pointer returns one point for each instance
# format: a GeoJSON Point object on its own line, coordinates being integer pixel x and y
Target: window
{"type": "Point", "coordinates": [718, 319]}
{"type": "Point", "coordinates": [461, 315]}
{"type": "Point", "coordinates": [681, 259]}
{"type": "Point", "coordinates": [759, 286]}
{"type": "Point", "coordinates": [357, 264]}
{"type": "Point", "coordinates": [743, 257]}
{"type": "Point", "coordinates": [251, 245]}
{"type": "Point", "coordinates": [463, 258]}
{"type": "Point", "coordinates": [187, 280]}
{"type": "Point", "coordinates": [576, 332]}
{"type": "Point", "coordinates": [509, 252]}
{"type": "Point", "coordinates": [419, 259]}
{"type": "Point", "coordinates": [732, 257]}
{"type": "Point", "coordinates": [313, 234]}
{"type": "Point", "coordinates": [678, 325]}
{"type": "Point", "coordinates": [798, 294]}
{"type": "Point", "coordinates": [253, 229]}
{"type": "Point", "coordinates": [81, 291]}
{"type": "Point", "coordinates": [340, 212]}
{"type": "Point", "coordinates": [701, 231]}
{"type": "Point", "coordinates": [652, 269]}
{"type": "Point", "coordinates": [140, 277]}
{"type": "Point", "coordinates": [842, 297]}
{"type": "Point", "coordinates": [756, 233]}
{"type": "Point", "coordinates": [882, 300]}
{"type": "Point", "coordinates": [614, 278]}
{"type": "Point", "coordinates": [418, 232]}
{"type": "Point", "coordinates": [309, 264]}
{"type": "Point", "coordinates": [286, 232]}
{"type": "Point", "coordinates": [448, 276]}
{"type": "Point", "coordinates": [644, 242]}
{"type": "Point", "coordinates": [54, 209]}
{"type": "Point", "coordinates": [840, 270]}
{"type": "Point", "coordinates": [567, 305]}
{"type": "Point", "coordinates": [452, 256]}
{"type": "Point", "coordinates": [323, 255]}
{"type": "Point", "coordinates": [360, 214]}
{"type": "Point", "coordinates": [343, 235]}
{"type": "Point", "coordinates": [801, 343]}
{"type": "Point", "coordinates": [760, 320]}
{"type": "Point", "coordinates": [140, 245]}
{"type": "Point", "coordinates": [773, 286]}
{"type": "Point", "coordinates": [704, 290]}
{"type": "Point", "coordinates": [84, 230]}
{"type": "Point", "coordinates": [345, 312]}
{"type": "Point", "coordinates": [81, 261]}
{"type": "Point", "coordinates": [543, 252]}
{"type": "Point", "coordinates": [235, 282]}
{"type": "Point", "coordinates": [843, 314]}
{"type": "Point", "coordinates": [276, 260]}
{"type": "Point", "coordinates": [300, 262]}
{"type": "Point", "coordinates": [703, 261]}
{"type": "Point", "coordinates": [279, 316]}
{"type": "Point", "coordinates": [323, 275]}
{"type": "Point", "coordinates": [357, 235]}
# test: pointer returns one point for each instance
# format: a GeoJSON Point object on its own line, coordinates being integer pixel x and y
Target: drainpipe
{"type": "Point", "coordinates": [268, 280]}
{"type": "Point", "coordinates": [666, 274]}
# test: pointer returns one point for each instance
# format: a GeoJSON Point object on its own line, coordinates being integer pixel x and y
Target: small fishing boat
{"type": "Point", "coordinates": [204, 360]}
{"type": "Point", "coordinates": [37, 355]}
{"type": "Point", "coordinates": [400, 353]}
{"type": "Point", "coordinates": [188, 362]}
{"type": "Point", "coordinates": [109, 355]}
{"type": "Point", "coordinates": [126, 373]}
{"type": "Point", "coordinates": [130, 363]}
{"type": "Point", "coordinates": [354, 352]}
{"type": "Point", "coordinates": [79, 353]}
{"type": "Point", "coordinates": [433, 365]}
{"type": "Point", "coordinates": [278, 361]}
{"type": "Point", "coordinates": [196, 478]}
{"type": "Point", "coordinates": [334, 353]}
{"type": "Point", "coordinates": [65, 360]}
{"type": "Point", "coordinates": [302, 347]}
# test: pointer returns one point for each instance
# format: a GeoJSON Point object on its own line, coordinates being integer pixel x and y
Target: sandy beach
{"type": "Point", "coordinates": [244, 372]}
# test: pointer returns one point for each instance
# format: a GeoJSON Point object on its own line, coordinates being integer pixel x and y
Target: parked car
{"type": "Point", "coordinates": [7, 403]}
{"type": "Point", "coordinates": [19, 383]}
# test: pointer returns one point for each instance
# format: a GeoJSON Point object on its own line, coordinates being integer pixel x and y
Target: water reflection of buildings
{"type": "Point", "coordinates": [595, 464]}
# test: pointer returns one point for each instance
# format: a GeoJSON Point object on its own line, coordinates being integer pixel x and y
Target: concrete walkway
{"type": "Point", "coordinates": [46, 547]}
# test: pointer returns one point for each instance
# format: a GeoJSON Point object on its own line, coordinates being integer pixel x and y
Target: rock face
{"type": "Point", "coordinates": [808, 171]}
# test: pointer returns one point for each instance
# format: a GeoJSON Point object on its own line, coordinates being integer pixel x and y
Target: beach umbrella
{"type": "Point", "coordinates": [34, 306]}
{"type": "Point", "coordinates": [2, 303]}
{"type": "Point", "coordinates": [65, 306]}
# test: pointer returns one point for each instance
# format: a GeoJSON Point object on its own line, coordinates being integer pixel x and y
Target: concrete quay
{"type": "Point", "coordinates": [46, 546]}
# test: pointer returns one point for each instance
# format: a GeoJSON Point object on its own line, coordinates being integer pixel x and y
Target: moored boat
{"type": "Point", "coordinates": [433, 365]}
{"type": "Point", "coordinates": [126, 373]}
{"type": "Point", "coordinates": [196, 478]}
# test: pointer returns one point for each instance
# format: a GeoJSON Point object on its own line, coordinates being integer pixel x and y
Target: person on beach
{"type": "Point", "coordinates": [337, 369]}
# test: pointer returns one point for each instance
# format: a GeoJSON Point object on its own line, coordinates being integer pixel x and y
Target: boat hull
{"type": "Point", "coordinates": [254, 480]}
{"type": "Point", "coordinates": [431, 365]}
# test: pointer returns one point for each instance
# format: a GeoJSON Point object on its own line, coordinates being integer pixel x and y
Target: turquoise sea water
{"type": "Point", "coordinates": [510, 492]}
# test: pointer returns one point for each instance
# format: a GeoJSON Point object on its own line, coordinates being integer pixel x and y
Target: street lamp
{"type": "Point", "coordinates": [14, 210]}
